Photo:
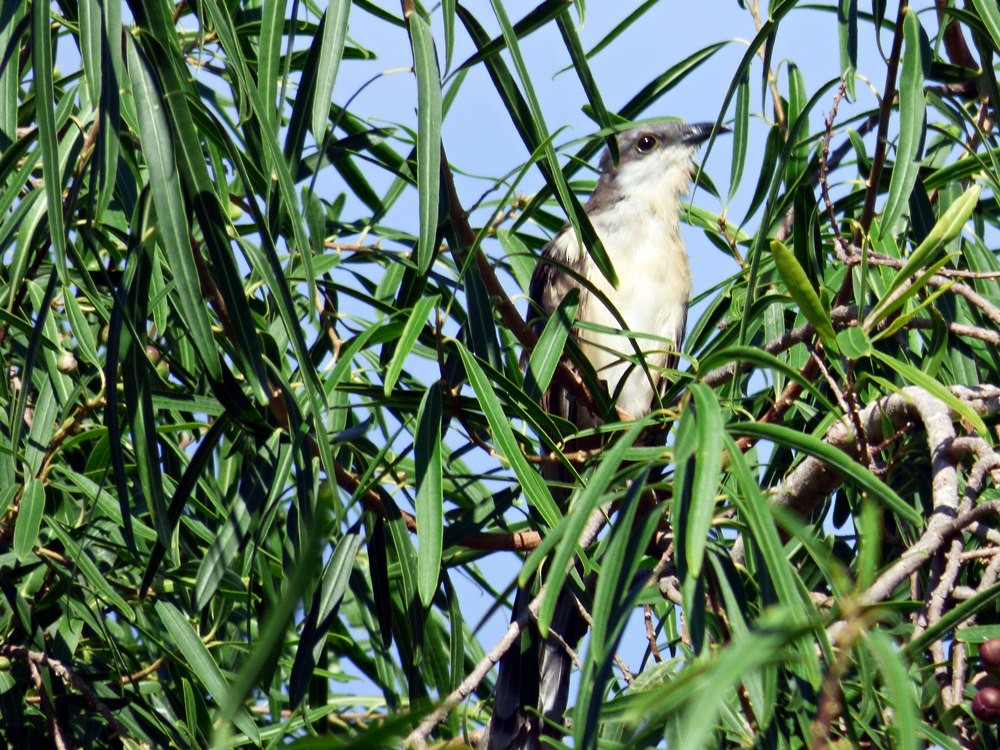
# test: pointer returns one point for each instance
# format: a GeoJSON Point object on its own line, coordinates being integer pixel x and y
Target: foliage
{"type": "Point", "coordinates": [261, 446]}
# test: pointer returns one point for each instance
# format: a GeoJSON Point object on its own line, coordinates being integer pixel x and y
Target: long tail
{"type": "Point", "coordinates": [533, 684]}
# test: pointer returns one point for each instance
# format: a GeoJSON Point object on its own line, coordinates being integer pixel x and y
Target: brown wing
{"type": "Point", "coordinates": [550, 283]}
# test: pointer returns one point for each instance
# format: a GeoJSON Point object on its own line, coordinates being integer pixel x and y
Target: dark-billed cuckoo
{"type": "Point", "coordinates": [636, 211]}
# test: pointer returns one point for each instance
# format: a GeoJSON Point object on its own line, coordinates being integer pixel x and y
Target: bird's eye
{"type": "Point", "coordinates": [645, 144]}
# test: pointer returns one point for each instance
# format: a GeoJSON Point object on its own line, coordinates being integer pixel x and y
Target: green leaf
{"type": "Point", "coordinates": [269, 59]}
{"type": "Point", "coordinates": [411, 332]}
{"type": "Point", "coordinates": [171, 212]}
{"type": "Point", "coordinates": [853, 343]}
{"type": "Point", "coordinates": [43, 422]}
{"type": "Point", "coordinates": [707, 473]}
{"type": "Point", "coordinates": [534, 488]}
{"type": "Point", "coordinates": [990, 16]}
{"type": "Point", "coordinates": [198, 660]}
{"type": "Point", "coordinates": [953, 617]}
{"type": "Point", "coordinates": [430, 495]}
{"type": "Point", "coordinates": [838, 461]}
{"type": "Point", "coordinates": [763, 359]}
{"type": "Point", "coordinates": [614, 598]}
{"type": "Point", "coordinates": [756, 514]}
{"type": "Point", "coordinates": [548, 350]}
{"type": "Point", "coordinates": [919, 378]}
{"type": "Point", "coordinates": [567, 534]}
{"type": "Point", "coordinates": [741, 135]}
{"type": "Point", "coordinates": [332, 50]}
{"type": "Point", "coordinates": [575, 48]}
{"type": "Point", "coordinates": [847, 31]}
{"type": "Point", "coordinates": [85, 340]}
{"type": "Point", "coordinates": [911, 121]}
{"type": "Point", "coordinates": [901, 698]}
{"type": "Point", "coordinates": [803, 293]}
{"type": "Point", "coordinates": [48, 137]}
{"type": "Point", "coordinates": [28, 525]}
{"type": "Point", "coordinates": [428, 137]}
{"type": "Point", "coordinates": [946, 229]}
{"type": "Point", "coordinates": [527, 114]}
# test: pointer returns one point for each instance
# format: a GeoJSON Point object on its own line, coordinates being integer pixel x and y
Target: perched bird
{"type": "Point", "coordinates": [636, 211]}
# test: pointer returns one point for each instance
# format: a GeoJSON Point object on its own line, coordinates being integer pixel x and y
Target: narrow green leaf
{"type": "Point", "coordinates": [977, 634]}
{"type": "Point", "coordinates": [322, 610]}
{"type": "Point", "coordinates": [91, 32]}
{"type": "Point", "coordinates": [614, 597]}
{"type": "Point", "coordinates": [901, 698]}
{"type": "Point", "coordinates": [537, 133]}
{"type": "Point", "coordinates": [595, 489]}
{"type": "Point", "coordinates": [838, 461]}
{"type": "Point", "coordinates": [269, 644]}
{"type": "Point", "coordinates": [256, 482]}
{"type": "Point", "coordinates": [741, 134]}
{"type": "Point", "coordinates": [522, 260]}
{"type": "Point", "coordinates": [162, 50]}
{"type": "Point", "coordinates": [763, 359]}
{"type": "Point", "coordinates": [854, 343]}
{"type": "Point", "coordinates": [331, 52]}
{"type": "Point", "coordinates": [11, 33]}
{"type": "Point", "coordinates": [540, 15]}
{"type": "Point", "coordinates": [86, 342]}
{"type": "Point", "coordinates": [579, 59]}
{"type": "Point", "coordinates": [548, 350]}
{"type": "Point", "coordinates": [621, 27]}
{"type": "Point", "coordinates": [919, 378]}
{"type": "Point", "coordinates": [946, 229]}
{"type": "Point", "coordinates": [914, 292]}
{"type": "Point", "coordinates": [269, 61]}
{"type": "Point", "coordinates": [28, 525]}
{"type": "Point", "coordinates": [48, 136]}
{"type": "Point", "coordinates": [756, 513]}
{"type": "Point", "coordinates": [802, 292]}
{"type": "Point", "coordinates": [430, 495]}
{"type": "Point", "coordinates": [407, 339]}
{"type": "Point", "coordinates": [990, 16]}
{"type": "Point", "coordinates": [428, 138]}
{"type": "Point", "coordinates": [695, 724]}
{"type": "Point", "coordinates": [338, 574]}
{"type": "Point", "coordinates": [911, 122]}
{"type": "Point", "coordinates": [798, 96]}
{"type": "Point", "coordinates": [199, 661]}
{"type": "Point", "coordinates": [707, 473]}
{"type": "Point", "coordinates": [171, 212]}
{"type": "Point", "coordinates": [673, 76]}
{"type": "Point", "coordinates": [112, 68]}
{"type": "Point", "coordinates": [448, 21]}
{"type": "Point", "coordinates": [43, 419]}
{"type": "Point", "coordinates": [953, 617]}
{"type": "Point", "coordinates": [847, 31]}
{"type": "Point", "coordinates": [685, 710]}
{"type": "Point", "coordinates": [268, 264]}
{"type": "Point", "coordinates": [531, 481]}
{"type": "Point", "coordinates": [82, 559]}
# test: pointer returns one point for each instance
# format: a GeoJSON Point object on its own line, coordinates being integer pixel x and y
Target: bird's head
{"type": "Point", "coordinates": [655, 164]}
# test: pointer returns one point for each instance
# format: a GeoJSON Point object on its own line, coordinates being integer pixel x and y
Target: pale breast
{"type": "Point", "coordinates": [652, 297]}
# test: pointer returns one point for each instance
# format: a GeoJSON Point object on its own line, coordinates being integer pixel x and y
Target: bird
{"type": "Point", "coordinates": [635, 209]}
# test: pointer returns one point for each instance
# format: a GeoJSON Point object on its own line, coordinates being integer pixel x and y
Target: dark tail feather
{"type": "Point", "coordinates": [533, 684]}
{"type": "Point", "coordinates": [508, 725]}
{"type": "Point", "coordinates": [555, 662]}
